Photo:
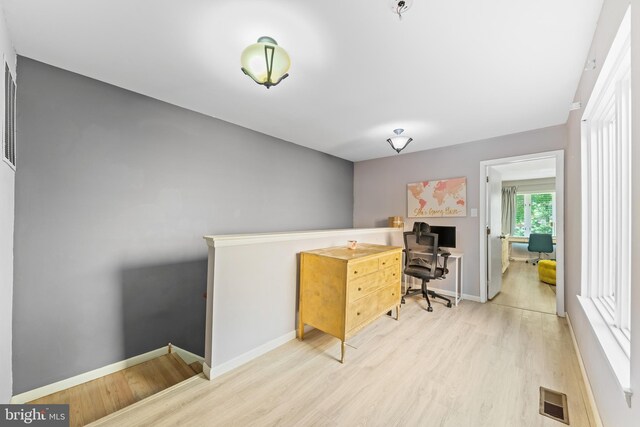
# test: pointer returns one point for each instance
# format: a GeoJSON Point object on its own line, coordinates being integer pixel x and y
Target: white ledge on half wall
{"type": "Point", "coordinates": [250, 239]}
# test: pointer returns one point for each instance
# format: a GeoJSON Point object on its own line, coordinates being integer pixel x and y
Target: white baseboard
{"type": "Point", "coordinates": [216, 371]}
{"type": "Point", "coordinates": [587, 384]}
{"type": "Point", "coordinates": [206, 370]}
{"type": "Point", "coordinates": [187, 356]}
{"type": "Point", "coordinates": [46, 390]}
{"type": "Point", "coordinates": [452, 294]}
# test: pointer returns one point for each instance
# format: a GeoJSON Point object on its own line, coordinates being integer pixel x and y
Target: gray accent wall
{"type": "Point", "coordinates": [113, 195]}
{"type": "Point", "coordinates": [381, 185]}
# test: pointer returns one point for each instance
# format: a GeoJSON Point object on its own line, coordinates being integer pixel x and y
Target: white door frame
{"type": "Point", "coordinates": [558, 155]}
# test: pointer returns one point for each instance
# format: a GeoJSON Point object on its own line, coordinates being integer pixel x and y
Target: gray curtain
{"type": "Point", "coordinates": [508, 209]}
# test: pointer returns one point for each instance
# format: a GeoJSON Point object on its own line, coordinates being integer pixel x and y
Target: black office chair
{"type": "Point", "coordinates": [421, 261]}
{"type": "Point", "coordinates": [540, 243]}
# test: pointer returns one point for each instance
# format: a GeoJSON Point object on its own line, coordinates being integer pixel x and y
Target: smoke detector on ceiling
{"type": "Point", "coordinates": [400, 6]}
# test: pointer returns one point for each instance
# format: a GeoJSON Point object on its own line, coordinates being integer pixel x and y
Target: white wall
{"type": "Point", "coordinates": [380, 185]}
{"type": "Point", "coordinates": [7, 199]}
{"type": "Point", "coordinates": [608, 394]}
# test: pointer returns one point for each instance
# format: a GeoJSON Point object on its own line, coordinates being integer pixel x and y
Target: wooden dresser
{"type": "Point", "coordinates": [342, 290]}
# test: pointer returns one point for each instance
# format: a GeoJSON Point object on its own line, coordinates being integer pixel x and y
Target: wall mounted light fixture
{"type": "Point", "coordinates": [399, 142]}
{"type": "Point", "coordinates": [265, 62]}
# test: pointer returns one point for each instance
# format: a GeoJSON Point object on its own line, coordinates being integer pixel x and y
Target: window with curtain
{"type": "Point", "coordinates": [508, 209]}
{"type": "Point", "coordinates": [535, 213]}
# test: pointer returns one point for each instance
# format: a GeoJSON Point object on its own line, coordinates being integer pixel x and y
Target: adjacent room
{"type": "Point", "coordinates": [529, 207]}
{"type": "Point", "coordinates": [389, 212]}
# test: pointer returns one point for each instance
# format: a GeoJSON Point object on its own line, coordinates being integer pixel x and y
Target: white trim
{"type": "Point", "coordinates": [251, 239]}
{"type": "Point", "coordinates": [453, 294]}
{"type": "Point", "coordinates": [87, 376]}
{"type": "Point", "coordinates": [187, 356]}
{"type": "Point", "coordinates": [11, 165]}
{"type": "Point", "coordinates": [134, 406]}
{"type": "Point", "coordinates": [216, 371]}
{"type": "Point", "coordinates": [617, 359]}
{"type": "Point", "coordinates": [46, 390]}
{"type": "Point", "coordinates": [585, 377]}
{"type": "Point", "coordinates": [559, 157]}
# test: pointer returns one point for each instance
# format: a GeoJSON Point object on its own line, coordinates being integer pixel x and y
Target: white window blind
{"type": "Point", "coordinates": [606, 191]}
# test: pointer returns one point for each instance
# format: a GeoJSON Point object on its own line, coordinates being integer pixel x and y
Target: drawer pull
{"type": "Point", "coordinates": [384, 263]}
{"type": "Point", "coordinates": [355, 272]}
{"type": "Point", "coordinates": [358, 313]}
{"type": "Point", "coordinates": [359, 289]}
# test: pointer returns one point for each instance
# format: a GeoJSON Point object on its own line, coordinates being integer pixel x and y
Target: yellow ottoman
{"type": "Point", "coordinates": [547, 271]}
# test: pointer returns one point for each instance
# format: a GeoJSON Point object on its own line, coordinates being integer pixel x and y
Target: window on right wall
{"type": "Point", "coordinates": [606, 205]}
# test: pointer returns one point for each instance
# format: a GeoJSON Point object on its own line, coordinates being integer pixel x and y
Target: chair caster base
{"type": "Point", "coordinates": [449, 305]}
{"type": "Point", "coordinates": [402, 300]}
{"type": "Point", "coordinates": [429, 309]}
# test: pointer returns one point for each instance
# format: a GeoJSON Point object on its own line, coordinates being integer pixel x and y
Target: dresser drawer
{"type": "Point", "coordinates": [388, 297]}
{"type": "Point", "coordinates": [362, 268]}
{"type": "Point", "coordinates": [358, 288]}
{"type": "Point", "coordinates": [362, 310]}
{"type": "Point", "coordinates": [392, 275]}
{"type": "Point", "coordinates": [390, 260]}
{"type": "Point", "coordinates": [366, 308]}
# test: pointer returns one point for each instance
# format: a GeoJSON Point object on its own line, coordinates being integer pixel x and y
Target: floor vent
{"type": "Point", "coordinates": [554, 405]}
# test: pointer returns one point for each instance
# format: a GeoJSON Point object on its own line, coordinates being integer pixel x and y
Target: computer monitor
{"type": "Point", "coordinates": [446, 235]}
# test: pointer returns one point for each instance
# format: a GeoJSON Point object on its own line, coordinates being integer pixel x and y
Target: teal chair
{"type": "Point", "coordinates": [540, 243]}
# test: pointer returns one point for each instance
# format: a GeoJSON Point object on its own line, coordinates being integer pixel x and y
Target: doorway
{"type": "Point", "coordinates": [531, 189]}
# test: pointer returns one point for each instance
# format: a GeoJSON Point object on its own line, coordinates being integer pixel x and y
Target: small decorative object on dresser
{"type": "Point", "coordinates": [396, 222]}
{"type": "Point", "coordinates": [343, 290]}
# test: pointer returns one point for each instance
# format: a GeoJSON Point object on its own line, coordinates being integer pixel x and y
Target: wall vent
{"type": "Point", "coordinates": [554, 405]}
{"type": "Point", "coordinates": [9, 134]}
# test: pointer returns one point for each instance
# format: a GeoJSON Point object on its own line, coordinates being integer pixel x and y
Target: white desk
{"type": "Point", "coordinates": [453, 269]}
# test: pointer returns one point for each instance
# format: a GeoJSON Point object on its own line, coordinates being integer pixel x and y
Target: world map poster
{"type": "Point", "coordinates": [438, 198]}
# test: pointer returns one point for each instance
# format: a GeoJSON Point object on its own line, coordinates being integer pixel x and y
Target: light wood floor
{"type": "Point", "coordinates": [98, 398]}
{"type": "Point", "coordinates": [471, 366]}
{"type": "Point", "coordinates": [521, 288]}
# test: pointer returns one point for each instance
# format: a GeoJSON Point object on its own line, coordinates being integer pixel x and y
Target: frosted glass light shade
{"type": "Point", "coordinates": [399, 142]}
{"type": "Point", "coordinates": [265, 62]}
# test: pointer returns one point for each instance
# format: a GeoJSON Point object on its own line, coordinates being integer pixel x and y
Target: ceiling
{"type": "Point", "coordinates": [449, 72]}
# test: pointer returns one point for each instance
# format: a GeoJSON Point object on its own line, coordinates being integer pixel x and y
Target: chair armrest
{"type": "Point", "coordinates": [406, 256]}
{"type": "Point", "coordinates": [445, 256]}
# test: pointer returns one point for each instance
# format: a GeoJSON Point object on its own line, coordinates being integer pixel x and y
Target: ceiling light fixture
{"type": "Point", "coordinates": [399, 142]}
{"type": "Point", "coordinates": [265, 62]}
{"type": "Point", "coordinates": [400, 6]}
